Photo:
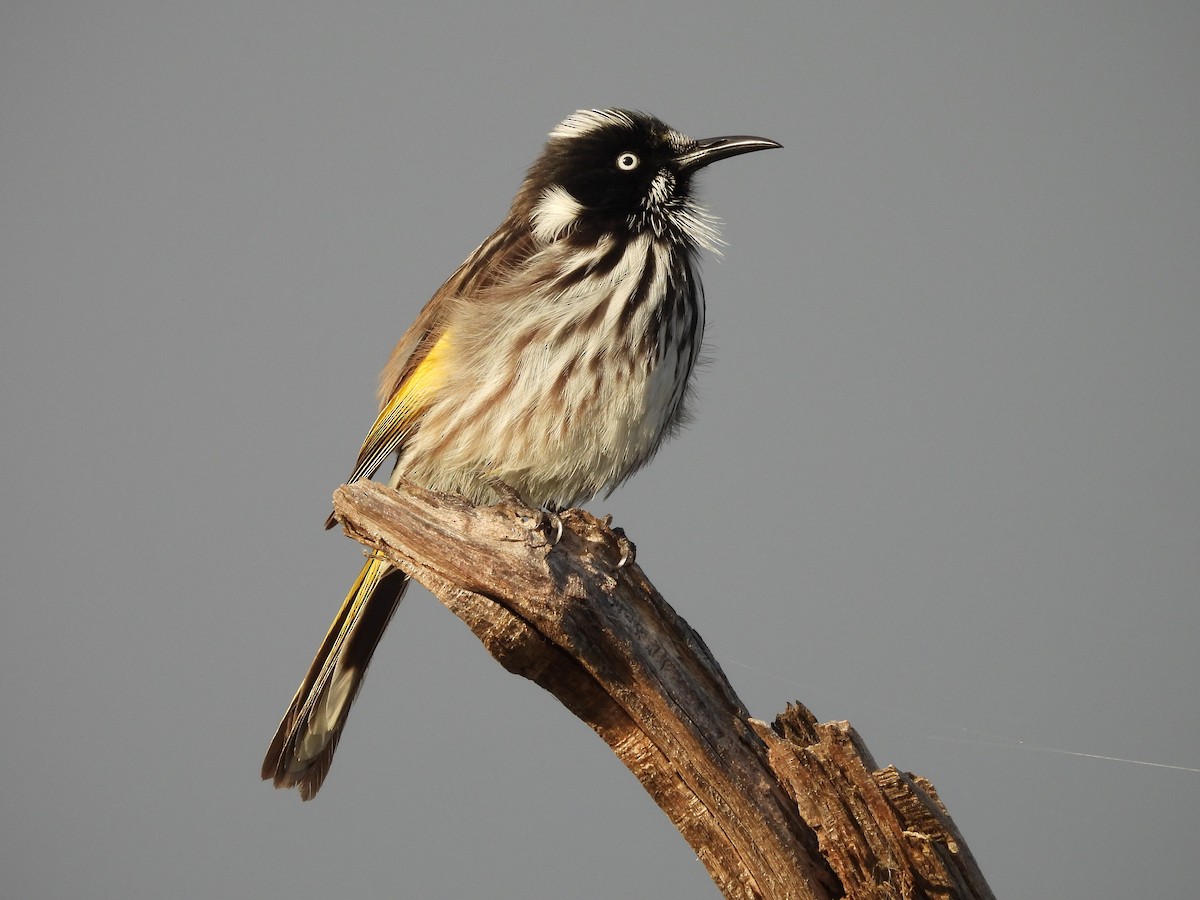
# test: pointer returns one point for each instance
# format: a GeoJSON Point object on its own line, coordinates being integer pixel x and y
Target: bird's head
{"type": "Point", "coordinates": [613, 171]}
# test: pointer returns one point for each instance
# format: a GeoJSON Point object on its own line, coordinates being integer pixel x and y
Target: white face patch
{"type": "Point", "coordinates": [662, 212]}
{"type": "Point", "coordinates": [554, 214]}
{"type": "Point", "coordinates": [585, 121]}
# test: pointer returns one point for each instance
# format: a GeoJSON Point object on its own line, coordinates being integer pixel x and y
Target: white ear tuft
{"type": "Point", "coordinates": [555, 213]}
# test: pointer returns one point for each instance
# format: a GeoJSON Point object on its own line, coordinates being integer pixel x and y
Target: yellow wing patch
{"type": "Point", "coordinates": [404, 408]}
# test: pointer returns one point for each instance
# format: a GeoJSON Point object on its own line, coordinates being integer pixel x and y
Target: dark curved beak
{"type": "Point", "coordinates": [710, 150]}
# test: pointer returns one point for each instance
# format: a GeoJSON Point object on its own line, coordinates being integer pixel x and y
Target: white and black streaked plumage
{"type": "Point", "coordinates": [554, 362]}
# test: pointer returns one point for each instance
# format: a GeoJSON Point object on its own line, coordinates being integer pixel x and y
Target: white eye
{"type": "Point", "coordinates": [627, 161]}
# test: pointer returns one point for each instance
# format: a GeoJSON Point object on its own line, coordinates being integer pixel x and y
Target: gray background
{"type": "Point", "coordinates": [944, 480]}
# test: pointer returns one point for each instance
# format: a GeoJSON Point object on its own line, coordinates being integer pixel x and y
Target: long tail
{"type": "Point", "coordinates": [303, 747]}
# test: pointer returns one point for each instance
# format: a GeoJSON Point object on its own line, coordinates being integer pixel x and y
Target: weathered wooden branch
{"type": "Point", "coordinates": [794, 809]}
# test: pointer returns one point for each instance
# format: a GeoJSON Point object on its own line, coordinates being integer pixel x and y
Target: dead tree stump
{"type": "Point", "coordinates": [794, 809]}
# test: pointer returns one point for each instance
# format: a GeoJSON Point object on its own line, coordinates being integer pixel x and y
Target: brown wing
{"type": "Point", "coordinates": [414, 370]}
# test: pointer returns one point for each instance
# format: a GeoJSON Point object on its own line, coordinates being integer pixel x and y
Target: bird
{"type": "Point", "coordinates": [548, 368]}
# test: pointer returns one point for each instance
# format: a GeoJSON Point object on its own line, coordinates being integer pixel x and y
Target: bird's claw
{"type": "Point", "coordinates": [627, 548]}
{"type": "Point", "coordinates": [548, 517]}
{"type": "Point", "coordinates": [624, 544]}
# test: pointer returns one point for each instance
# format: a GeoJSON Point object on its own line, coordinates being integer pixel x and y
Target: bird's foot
{"type": "Point", "coordinates": [624, 544]}
{"type": "Point", "coordinates": [546, 520]}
